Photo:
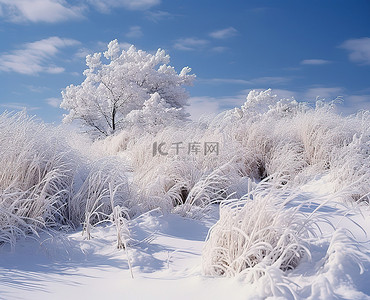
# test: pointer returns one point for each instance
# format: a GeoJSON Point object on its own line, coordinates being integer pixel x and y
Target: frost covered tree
{"type": "Point", "coordinates": [113, 89]}
{"type": "Point", "coordinates": [155, 114]}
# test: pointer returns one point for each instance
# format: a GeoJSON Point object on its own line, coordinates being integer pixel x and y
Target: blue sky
{"type": "Point", "coordinates": [300, 49]}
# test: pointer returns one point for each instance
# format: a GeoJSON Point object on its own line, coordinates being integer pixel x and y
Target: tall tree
{"type": "Point", "coordinates": [111, 91]}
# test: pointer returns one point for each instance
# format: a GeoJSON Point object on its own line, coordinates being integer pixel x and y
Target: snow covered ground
{"type": "Point", "coordinates": [165, 254]}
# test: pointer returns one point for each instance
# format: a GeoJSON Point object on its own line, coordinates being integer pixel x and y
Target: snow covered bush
{"type": "Point", "coordinates": [350, 165]}
{"type": "Point", "coordinates": [280, 139]}
{"type": "Point", "coordinates": [295, 141]}
{"type": "Point", "coordinates": [93, 200]}
{"type": "Point", "coordinates": [36, 175]}
{"type": "Point", "coordinates": [45, 183]}
{"type": "Point", "coordinates": [181, 179]}
{"type": "Point", "coordinates": [254, 233]}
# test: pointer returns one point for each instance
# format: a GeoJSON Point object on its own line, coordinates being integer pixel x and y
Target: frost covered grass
{"type": "Point", "coordinates": [45, 183]}
{"type": "Point", "coordinates": [254, 233]}
{"type": "Point", "coordinates": [36, 175]}
{"type": "Point", "coordinates": [287, 141]}
{"type": "Point", "coordinates": [269, 237]}
{"type": "Point", "coordinates": [269, 150]}
{"type": "Point", "coordinates": [57, 181]}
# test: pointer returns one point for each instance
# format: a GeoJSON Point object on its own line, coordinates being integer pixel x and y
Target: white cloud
{"type": "Point", "coordinates": [268, 81]}
{"type": "Point", "coordinates": [220, 49]}
{"type": "Point", "coordinates": [54, 70]}
{"type": "Point", "coordinates": [224, 33]}
{"type": "Point", "coordinates": [50, 11]}
{"type": "Point", "coordinates": [359, 50]}
{"type": "Point", "coordinates": [37, 89]}
{"type": "Point", "coordinates": [54, 102]}
{"type": "Point", "coordinates": [18, 106]}
{"type": "Point", "coordinates": [106, 5]}
{"type": "Point", "coordinates": [360, 99]}
{"type": "Point", "coordinates": [351, 104]}
{"type": "Point", "coordinates": [224, 80]}
{"type": "Point", "coordinates": [211, 106]}
{"type": "Point", "coordinates": [315, 62]}
{"type": "Point", "coordinates": [357, 102]}
{"type": "Point", "coordinates": [134, 32]}
{"type": "Point", "coordinates": [189, 44]}
{"type": "Point", "coordinates": [158, 15]}
{"type": "Point", "coordinates": [53, 11]}
{"type": "Point", "coordinates": [82, 53]}
{"type": "Point", "coordinates": [327, 93]}
{"type": "Point", "coordinates": [202, 107]}
{"type": "Point", "coordinates": [35, 57]}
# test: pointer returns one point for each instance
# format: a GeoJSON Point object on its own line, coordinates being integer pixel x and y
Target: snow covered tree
{"type": "Point", "coordinates": [111, 91]}
{"type": "Point", "coordinates": [155, 114]}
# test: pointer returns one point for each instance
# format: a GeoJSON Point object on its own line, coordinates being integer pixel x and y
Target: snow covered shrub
{"type": "Point", "coordinates": [92, 201]}
{"type": "Point", "coordinates": [119, 217]}
{"type": "Point", "coordinates": [265, 134]}
{"type": "Point", "coordinates": [254, 233]}
{"type": "Point", "coordinates": [322, 131]}
{"type": "Point", "coordinates": [182, 178]}
{"type": "Point", "coordinates": [295, 141]}
{"type": "Point", "coordinates": [45, 183]}
{"type": "Point", "coordinates": [181, 184]}
{"type": "Point", "coordinates": [350, 165]}
{"type": "Point", "coordinates": [167, 185]}
{"type": "Point", "coordinates": [36, 173]}
{"type": "Point", "coordinates": [279, 139]}
{"type": "Point", "coordinates": [211, 187]}
{"type": "Point", "coordinates": [258, 103]}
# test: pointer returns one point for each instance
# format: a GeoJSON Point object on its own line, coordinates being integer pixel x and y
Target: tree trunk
{"type": "Point", "coordinates": [114, 119]}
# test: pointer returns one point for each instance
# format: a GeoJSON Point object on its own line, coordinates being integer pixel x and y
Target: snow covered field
{"type": "Point", "coordinates": [166, 256]}
{"type": "Point", "coordinates": [282, 211]}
